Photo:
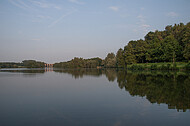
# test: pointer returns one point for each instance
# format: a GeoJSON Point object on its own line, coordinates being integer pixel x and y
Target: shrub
{"type": "Point", "coordinates": [163, 67]}
{"type": "Point", "coordinates": [153, 67]}
{"type": "Point", "coordinates": [187, 67]}
{"type": "Point", "coordinates": [175, 67]}
{"type": "Point", "coordinates": [136, 67]}
{"type": "Point", "coordinates": [168, 66]}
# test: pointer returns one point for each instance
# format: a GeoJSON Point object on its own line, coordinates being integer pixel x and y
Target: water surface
{"type": "Point", "coordinates": [93, 97]}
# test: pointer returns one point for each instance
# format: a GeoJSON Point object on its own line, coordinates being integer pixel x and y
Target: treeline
{"type": "Point", "coordinates": [80, 63]}
{"type": "Point", "coordinates": [23, 64]}
{"type": "Point", "coordinates": [109, 61]}
{"type": "Point", "coordinates": [170, 45]}
{"type": "Point", "coordinates": [10, 65]}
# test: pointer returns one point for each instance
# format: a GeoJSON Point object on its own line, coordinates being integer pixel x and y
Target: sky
{"type": "Point", "coordinates": [59, 30]}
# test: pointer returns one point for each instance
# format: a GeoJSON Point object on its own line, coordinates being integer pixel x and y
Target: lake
{"type": "Point", "coordinates": [94, 97]}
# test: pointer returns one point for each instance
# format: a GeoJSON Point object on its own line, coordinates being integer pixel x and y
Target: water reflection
{"type": "Point", "coordinates": [79, 73]}
{"type": "Point", "coordinates": [159, 87]}
{"type": "Point", "coordinates": [25, 70]}
{"type": "Point", "coordinates": [171, 88]}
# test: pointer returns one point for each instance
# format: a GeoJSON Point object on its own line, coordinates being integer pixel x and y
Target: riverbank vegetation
{"type": "Point", "coordinates": [170, 45]}
{"type": "Point", "coordinates": [160, 50]}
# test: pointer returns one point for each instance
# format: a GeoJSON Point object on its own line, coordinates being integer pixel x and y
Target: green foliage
{"type": "Point", "coordinates": [168, 66]}
{"type": "Point", "coordinates": [110, 60]}
{"type": "Point", "coordinates": [129, 54]}
{"type": "Point", "coordinates": [187, 67]}
{"type": "Point", "coordinates": [170, 45]}
{"type": "Point", "coordinates": [154, 67]}
{"type": "Point", "coordinates": [187, 51]}
{"type": "Point", "coordinates": [10, 65]}
{"type": "Point", "coordinates": [140, 51]}
{"type": "Point", "coordinates": [163, 67]}
{"type": "Point", "coordinates": [80, 63]}
{"type": "Point", "coordinates": [170, 48]}
{"type": "Point", "coordinates": [120, 61]}
{"type": "Point", "coordinates": [174, 67]}
{"type": "Point", "coordinates": [33, 64]}
{"type": "Point", "coordinates": [186, 41]}
{"type": "Point", "coordinates": [24, 64]}
{"type": "Point", "coordinates": [136, 67]}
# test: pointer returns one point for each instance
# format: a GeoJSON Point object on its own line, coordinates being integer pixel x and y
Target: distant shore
{"type": "Point", "coordinates": [137, 66]}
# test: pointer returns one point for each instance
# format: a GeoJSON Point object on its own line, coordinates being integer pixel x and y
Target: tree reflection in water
{"type": "Point", "coordinates": [171, 88]}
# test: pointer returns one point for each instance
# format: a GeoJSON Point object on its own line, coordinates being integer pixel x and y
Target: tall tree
{"type": "Point", "coordinates": [140, 51]}
{"type": "Point", "coordinates": [110, 60]}
{"type": "Point", "coordinates": [120, 60]}
{"type": "Point", "coordinates": [170, 48]}
{"type": "Point", "coordinates": [186, 41]}
{"type": "Point", "coordinates": [129, 54]}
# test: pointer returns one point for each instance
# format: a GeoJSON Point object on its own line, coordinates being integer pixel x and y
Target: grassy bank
{"type": "Point", "coordinates": [160, 66]}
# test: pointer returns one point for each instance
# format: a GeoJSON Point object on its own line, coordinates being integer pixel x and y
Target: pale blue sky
{"type": "Point", "coordinates": [58, 30]}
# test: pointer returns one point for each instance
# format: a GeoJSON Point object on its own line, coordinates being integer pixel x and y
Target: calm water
{"type": "Point", "coordinates": [93, 98]}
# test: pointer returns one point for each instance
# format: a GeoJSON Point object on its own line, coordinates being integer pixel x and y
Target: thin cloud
{"type": "Point", "coordinates": [114, 8]}
{"type": "Point", "coordinates": [24, 4]}
{"type": "Point", "coordinates": [43, 17]}
{"type": "Point", "coordinates": [41, 4]}
{"type": "Point", "coordinates": [57, 7]}
{"type": "Point", "coordinates": [76, 2]}
{"type": "Point", "coordinates": [18, 4]}
{"type": "Point", "coordinates": [60, 18]}
{"type": "Point", "coordinates": [141, 18]}
{"type": "Point", "coordinates": [142, 26]}
{"type": "Point", "coordinates": [145, 26]}
{"type": "Point", "coordinates": [29, 6]}
{"type": "Point", "coordinates": [46, 5]}
{"type": "Point", "coordinates": [172, 14]}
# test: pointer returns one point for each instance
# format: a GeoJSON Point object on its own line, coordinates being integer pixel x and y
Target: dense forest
{"type": "Point", "coordinates": [170, 45]}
